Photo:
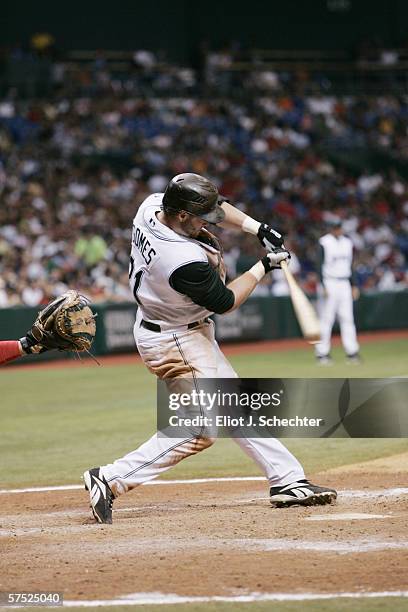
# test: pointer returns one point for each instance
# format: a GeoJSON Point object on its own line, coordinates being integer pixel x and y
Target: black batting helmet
{"type": "Point", "coordinates": [194, 194]}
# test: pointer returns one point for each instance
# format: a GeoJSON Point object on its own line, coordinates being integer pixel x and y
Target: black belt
{"type": "Point", "coordinates": [156, 328]}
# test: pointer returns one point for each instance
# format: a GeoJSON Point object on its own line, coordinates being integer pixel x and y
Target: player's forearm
{"type": "Point", "coordinates": [236, 219]}
{"type": "Point", "coordinates": [243, 286]}
{"type": "Point", "coordinates": [9, 350]}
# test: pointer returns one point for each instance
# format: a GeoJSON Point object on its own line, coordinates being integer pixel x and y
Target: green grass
{"type": "Point", "coordinates": [380, 360]}
{"type": "Point", "coordinates": [56, 423]}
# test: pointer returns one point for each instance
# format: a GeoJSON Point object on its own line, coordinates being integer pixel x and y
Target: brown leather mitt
{"type": "Point", "coordinates": [67, 324]}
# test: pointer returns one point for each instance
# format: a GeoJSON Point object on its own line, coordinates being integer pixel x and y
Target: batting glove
{"type": "Point", "coordinates": [269, 238]}
{"type": "Point", "coordinates": [272, 260]}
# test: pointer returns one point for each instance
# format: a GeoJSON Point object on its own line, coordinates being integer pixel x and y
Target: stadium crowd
{"type": "Point", "coordinates": [75, 166]}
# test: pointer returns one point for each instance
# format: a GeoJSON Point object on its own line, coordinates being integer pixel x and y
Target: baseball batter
{"type": "Point", "coordinates": [338, 294]}
{"type": "Point", "coordinates": [177, 276]}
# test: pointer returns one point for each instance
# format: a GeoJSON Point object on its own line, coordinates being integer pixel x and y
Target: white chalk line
{"type": "Point", "coordinates": [345, 547]}
{"type": "Point", "coordinates": [145, 599]}
{"type": "Point", "coordinates": [84, 527]}
{"type": "Point", "coordinates": [347, 516]}
{"type": "Point", "coordinates": [354, 493]}
{"type": "Point", "coordinates": [348, 546]}
{"type": "Point", "coordinates": [152, 483]}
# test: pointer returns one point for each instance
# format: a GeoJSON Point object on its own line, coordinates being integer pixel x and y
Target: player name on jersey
{"type": "Point", "coordinates": [142, 243]}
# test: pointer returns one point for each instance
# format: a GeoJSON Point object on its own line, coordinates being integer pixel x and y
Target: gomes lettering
{"type": "Point", "coordinates": [144, 246]}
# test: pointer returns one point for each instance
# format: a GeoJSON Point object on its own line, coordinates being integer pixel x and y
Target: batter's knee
{"type": "Point", "coordinates": [188, 448]}
{"type": "Point", "coordinates": [203, 443]}
{"type": "Point", "coordinates": [346, 319]}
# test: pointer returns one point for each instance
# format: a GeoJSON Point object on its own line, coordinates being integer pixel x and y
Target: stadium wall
{"type": "Point", "coordinates": [260, 318]}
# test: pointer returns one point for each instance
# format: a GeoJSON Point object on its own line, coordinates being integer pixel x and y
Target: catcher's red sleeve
{"type": "Point", "coordinates": [9, 350]}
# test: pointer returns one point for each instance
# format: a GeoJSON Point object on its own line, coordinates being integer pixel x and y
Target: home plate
{"type": "Point", "coordinates": [346, 516]}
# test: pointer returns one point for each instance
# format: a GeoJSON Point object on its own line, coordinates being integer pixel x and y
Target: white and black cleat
{"type": "Point", "coordinates": [101, 497]}
{"type": "Point", "coordinates": [301, 493]}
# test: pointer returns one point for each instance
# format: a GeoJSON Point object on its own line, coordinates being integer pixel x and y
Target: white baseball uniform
{"type": "Point", "coordinates": [175, 338]}
{"type": "Point", "coordinates": [337, 260]}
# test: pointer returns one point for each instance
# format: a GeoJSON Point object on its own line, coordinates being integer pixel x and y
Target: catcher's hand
{"type": "Point", "coordinates": [67, 324]}
{"type": "Point", "coordinates": [269, 238]}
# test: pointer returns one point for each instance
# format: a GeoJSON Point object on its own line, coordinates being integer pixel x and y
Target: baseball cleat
{"type": "Point", "coordinates": [354, 359]}
{"type": "Point", "coordinates": [301, 493]}
{"type": "Point", "coordinates": [324, 360]}
{"type": "Point", "coordinates": [101, 497]}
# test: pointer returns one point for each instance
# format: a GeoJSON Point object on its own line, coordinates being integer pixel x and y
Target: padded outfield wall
{"type": "Point", "coordinates": [260, 318]}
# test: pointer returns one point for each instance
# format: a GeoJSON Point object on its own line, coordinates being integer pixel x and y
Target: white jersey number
{"type": "Point", "coordinates": [135, 278]}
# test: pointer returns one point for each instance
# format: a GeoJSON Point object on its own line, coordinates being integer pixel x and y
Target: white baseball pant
{"type": "Point", "coordinates": [175, 353]}
{"type": "Point", "coordinates": [338, 303]}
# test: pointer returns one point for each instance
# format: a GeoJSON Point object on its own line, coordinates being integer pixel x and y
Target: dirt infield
{"type": "Point", "coordinates": [229, 349]}
{"type": "Point", "coordinates": [211, 539]}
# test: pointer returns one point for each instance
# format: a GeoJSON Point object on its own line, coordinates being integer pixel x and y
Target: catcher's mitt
{"type": "Point", "coordinates": [67, 324]}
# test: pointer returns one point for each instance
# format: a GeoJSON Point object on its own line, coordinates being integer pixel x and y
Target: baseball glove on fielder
{"type": "Point", "coordinates": [67, 324]}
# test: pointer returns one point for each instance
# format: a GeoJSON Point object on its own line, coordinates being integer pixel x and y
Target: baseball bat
{"type": "Point", "coordinates": [305, 313]}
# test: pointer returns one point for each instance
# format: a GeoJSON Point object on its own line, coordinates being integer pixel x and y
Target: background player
{"type": "Point", "coordinates": [177, 277]}
{"type": "Point", "coordinates": [338, 293]}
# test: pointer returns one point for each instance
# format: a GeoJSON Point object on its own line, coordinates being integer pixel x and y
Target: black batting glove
{"type": "Point", "coordinates": [272, 260]}
{"type": "Point", "coordinates": [269, 238]}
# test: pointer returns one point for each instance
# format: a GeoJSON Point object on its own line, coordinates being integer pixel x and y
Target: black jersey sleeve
{"type": "Point", "coordinates": [203, 285]}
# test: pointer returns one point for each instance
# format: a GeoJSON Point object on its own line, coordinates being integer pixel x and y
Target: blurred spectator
{"type": "Point", "coordinates": [3, 294]}
{"type": "Point", "coordinates": [90, 248]}
{"type": "Point", "coordinates": [75, 167]}
{"type": "Point", "coordinates": [33, 294]}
